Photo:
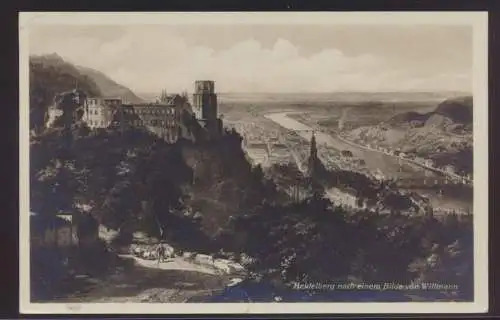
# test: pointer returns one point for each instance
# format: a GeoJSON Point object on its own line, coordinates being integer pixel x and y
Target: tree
{"type": "Point", "coordinates": [49, 76]}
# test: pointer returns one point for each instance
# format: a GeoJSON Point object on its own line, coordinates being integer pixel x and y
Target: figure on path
{"type": "Point", "coordinates": [160, 250]}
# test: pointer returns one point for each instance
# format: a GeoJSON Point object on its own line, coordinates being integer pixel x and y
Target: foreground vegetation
{"type": "Point", "coordinates": [206, 197]}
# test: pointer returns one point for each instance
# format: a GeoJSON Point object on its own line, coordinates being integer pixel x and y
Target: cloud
{"type": "Point", "coordinates": [147, 60]}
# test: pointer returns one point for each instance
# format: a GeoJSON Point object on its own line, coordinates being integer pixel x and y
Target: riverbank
{"type": "Point", "coordinates": [375, 160]}
{"type": "Point", "coordinates": [459, 178]}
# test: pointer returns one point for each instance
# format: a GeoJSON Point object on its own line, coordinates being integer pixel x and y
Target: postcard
{"type": "Point", "coordinates": [321, 162]}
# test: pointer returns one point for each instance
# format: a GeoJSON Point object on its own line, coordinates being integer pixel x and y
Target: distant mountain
{"type": "Point", "coordinates": [458, 109]}
{"type": "Point", "coordinates": [109, 87]}
{"type": "Point", "coordinates": [450, 111]}
{"type": "Point", "coordinates": [149, 96]}
{"type": "Point", "coordinates": [408, 117]}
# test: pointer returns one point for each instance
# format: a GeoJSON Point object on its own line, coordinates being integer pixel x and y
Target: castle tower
{"type": "Point", "coordinates": [205, 103]}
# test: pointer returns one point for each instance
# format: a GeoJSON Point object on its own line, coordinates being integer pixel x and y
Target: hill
{"type": "Point", "coordinates": [408, 117]}
{"type": "Point", "coordinates": [51, 74]}
{"type": "Point", "coordinates": [109, 87]}
{"type": "Point", "coordinates": [458, 109]}
{"type": "Point", "coordinates": [443, 135]}
{"type": "Point", "coordinates": [450, 112]}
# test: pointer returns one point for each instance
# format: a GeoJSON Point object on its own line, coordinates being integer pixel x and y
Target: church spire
{"type": "Point", "coordinates": [314, 150]}
{"type": "Point", "coordinates": [313, 156]}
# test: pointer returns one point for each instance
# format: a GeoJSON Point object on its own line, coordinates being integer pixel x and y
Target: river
{"type": "Point", "coordinates": [390, 166]}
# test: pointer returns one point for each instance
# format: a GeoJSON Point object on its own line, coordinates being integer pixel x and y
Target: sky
{"type": "Point", "coordinates": [268, 58]}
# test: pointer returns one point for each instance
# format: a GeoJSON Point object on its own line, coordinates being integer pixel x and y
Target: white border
{"type": "Point", "coordinates": [479, 22]}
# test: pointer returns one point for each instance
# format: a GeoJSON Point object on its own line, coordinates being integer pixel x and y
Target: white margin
{"type": "Point", "coordinates": [479, 22]}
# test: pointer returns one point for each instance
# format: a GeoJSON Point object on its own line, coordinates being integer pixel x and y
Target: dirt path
{"type": "Point", "coordinates": [174, 281]}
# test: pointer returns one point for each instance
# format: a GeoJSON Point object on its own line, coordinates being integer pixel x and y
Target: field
{"type": "Point", "coordinates": [349, 116]}
{"type": "Point", "coordinates": [362, 108]}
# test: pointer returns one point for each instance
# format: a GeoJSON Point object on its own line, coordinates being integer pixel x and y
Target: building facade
{"type": "Point", "coordinates": [170, 119]}
{"type": "Point", "coordinates": [98, 112]}
{"type": "Point", "coordinates": [164, 120]}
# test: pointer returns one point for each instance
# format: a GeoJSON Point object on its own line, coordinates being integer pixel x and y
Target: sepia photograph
{"type": "Point", "coordinates": [253, 162]}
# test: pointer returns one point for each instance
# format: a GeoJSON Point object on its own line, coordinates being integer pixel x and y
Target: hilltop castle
{"type": "Point", "coordinates": [170, 119]}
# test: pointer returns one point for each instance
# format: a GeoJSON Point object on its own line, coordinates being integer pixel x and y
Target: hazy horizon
{"type": "Point", "coordinates": [322, 93]}
{"type": "Point", "coordinates": [269, 58]}
{"type": "Point", "coordinates": [329, 96]}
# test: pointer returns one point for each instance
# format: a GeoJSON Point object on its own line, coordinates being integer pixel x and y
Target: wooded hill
{"type": "Point", "coordinates": [51, 75]}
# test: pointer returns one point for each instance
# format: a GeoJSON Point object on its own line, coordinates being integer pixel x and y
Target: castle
{"type": "Point", "coordinates": [170, 119]}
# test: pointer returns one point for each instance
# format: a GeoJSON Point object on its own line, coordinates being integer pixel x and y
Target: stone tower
{"type": "Point", "coordinates": [205, 103]}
